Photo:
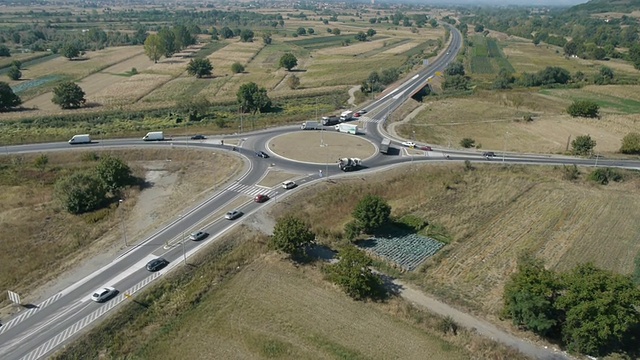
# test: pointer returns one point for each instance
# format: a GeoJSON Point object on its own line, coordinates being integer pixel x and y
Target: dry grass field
{"type": "Point", "coordinates": [52, 241]}
{"type": "Point", "coordinates": [493, 215]}
{"type": "Point", "coordinates": [494, 120]}
{"type": "Point", "coordinates": [316, 321]}
{"type": "Point", "coordinates": [306, 146]}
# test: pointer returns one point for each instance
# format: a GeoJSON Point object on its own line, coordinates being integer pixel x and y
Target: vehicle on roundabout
{"type": "Point", "coordinates": [262, 154]}
{"type": "Point", "coordinates": [409, 144]}
{"type": "Point", "coordinates": [426, 148]}
{"type": "Point", "coordinates": [103, 294]}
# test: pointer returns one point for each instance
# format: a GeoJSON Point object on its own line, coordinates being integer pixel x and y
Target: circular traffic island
{"type": "Point", "coordinates": [320, 146]}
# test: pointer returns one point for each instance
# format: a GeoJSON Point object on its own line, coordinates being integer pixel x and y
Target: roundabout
{"type": "Point", "coordinates": [320, 147]}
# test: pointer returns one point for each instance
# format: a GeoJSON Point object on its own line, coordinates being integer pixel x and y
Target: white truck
{"type": "Point", "coordinates": [346, 115]}
{"type": "Point", "coordinates": [80, 139]}
{"type": "Point", "coordinates": [384, 145]}
{"type": "Point", "coordinates": [349, 164]}
{"type": "Point", "coordinates": [347, 128]}
{"type": "Point", "coordinates": [154, 136]}
{"type": "Point", "coordinates": [311, 125]}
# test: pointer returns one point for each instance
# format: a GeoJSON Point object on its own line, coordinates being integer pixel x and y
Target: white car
{"type": "Point", "coordinates": [232, 215]}
{"type": "Point", "coordinates": [288, 184]}
{"type": "Point", "coordinates": [103, 294]}
{"type": "Point", "coordinates": [410, 144]}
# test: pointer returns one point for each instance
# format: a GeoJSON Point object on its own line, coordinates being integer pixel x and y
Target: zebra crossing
{"type": "Point", "coordinates": [252, 190]}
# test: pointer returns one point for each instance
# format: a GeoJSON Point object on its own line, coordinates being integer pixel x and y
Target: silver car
{"type": "Point", "coordinates": [232, 215]}
{"type": "Point", "coordinates": [103, 294]}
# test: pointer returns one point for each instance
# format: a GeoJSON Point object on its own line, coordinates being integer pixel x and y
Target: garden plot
{"type": "Point", "coordinates": [408, 251]}
{"type": "Point", "coordinates": [129, 90]}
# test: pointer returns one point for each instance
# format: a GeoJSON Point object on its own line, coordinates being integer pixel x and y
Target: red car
{"type": "Point", "coordinates": [425, 148]}
{"type": "Point", "coordinates": [261, 198]}
{"type": "Point", "coordinates": [356, 114]}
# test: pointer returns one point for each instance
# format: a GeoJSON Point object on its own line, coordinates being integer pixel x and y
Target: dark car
{"type": "Point", "coordinates": [261, 198]}
{"type": "Point", "coordinates": [198, 236]}
{"type": "Point", "coordinates": [262, 154]}
{"type": "Point", "coordinates": [488, 154]}
{"type": "Point", "coordinates": [198, 137]}
{"type": "Point", "coordinates": [426, 148]}
{"type": "Point", "coordinates": [157, 264]}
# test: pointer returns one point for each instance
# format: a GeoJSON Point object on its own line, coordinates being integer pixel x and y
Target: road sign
{"type": "Point", "coordinates": [15, 298]}
{"type": "Point", "coordinates": [320, 172]}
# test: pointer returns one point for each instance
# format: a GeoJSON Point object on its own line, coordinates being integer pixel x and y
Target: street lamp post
{"type": "Point", "coordinates": [184, 240]}
{"type": "Point", "coordinates": [124, 232]}
{"type": "Point", "coordinates": [505, 146]}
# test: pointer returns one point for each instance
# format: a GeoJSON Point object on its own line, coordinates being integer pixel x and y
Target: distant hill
{"type": "Point", "coordinates": [600, 6]}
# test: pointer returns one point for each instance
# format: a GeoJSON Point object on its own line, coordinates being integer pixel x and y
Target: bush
{"type": "Point", "coordinates": [413, 222]}
{"type": "Point", "coordinates": [80, 192]}
{"type": "Point", "coordinates": [584, 108]}
{"type": "Point", "coordinates": [371, 213]}
{"type": "Point", "coordinates": [237, 68]}
{"type": "Point", "coordinates": [467, 143]}
{"type": "Point", "coordinates": [631, 143]}
{"type": "Point", "coordinates": [571, 172]}
{"type": "Point", "coordinates": [14, 73]}
{"type": "Point", "coordinates": [583, 145]}
{"type": "Point", "coordinates": [604, 175]}
{"type": "Point", "coordinates": [352, 230]}
{"type": "Point", "coordinates": [353, 275]}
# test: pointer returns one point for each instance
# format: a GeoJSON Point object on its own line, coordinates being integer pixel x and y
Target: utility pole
{"type": "Point", "coordinates": [505, 146]}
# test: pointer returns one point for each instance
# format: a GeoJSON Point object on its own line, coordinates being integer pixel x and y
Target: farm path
{"type": "Point", "coordinates": [482, 327]}
{"type": "Point", "coordinates": [352, 96]}
{"type": "Point", "coordinates": [391, 129]}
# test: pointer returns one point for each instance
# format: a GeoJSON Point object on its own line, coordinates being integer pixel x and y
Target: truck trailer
{"type": "Point", "coordinates": [311, 125]}
{"type": "Point", "coordinates": [349, 164]}
{"type": "Point", "coordinates": [346, 115]}
{"type": "Point", "coordinates": [347, 128]}
{"type": "Point", "coordinates": [80, 139]}
{"type": "Point", "coordinates": [384, 146]}
{"type": "Point", "coordinates": [154, 136]}
{"type": "Point", "coordinates": [330, 120]}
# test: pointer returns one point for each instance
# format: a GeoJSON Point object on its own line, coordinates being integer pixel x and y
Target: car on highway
{"type": "Point", "coordinates": [357, 114]}
{"type": "Point", "coordinates": [363, 111]}
{"type": "Point", "coordinates": [103, 294]}
{"type": "Point", "coordinates": [233, 214]}
{"type": "Point", "coordinates": [260, 198]}
{"type": "Point", "coordinates": [488, 154]}
{"type": "Point", "coordinates": [409, 144]}
{"type": "Point", "coordinates": [197, 236]}
{"type": "Point", "coordinates": [157, 264]}
{"type": "Point", "coordinates": [288, 184]}
{"type": "Point", "coordinates": [426, 148]}
{"type": "Point", "coordinates": [198, 137]}
{"type": "Point", "coordinates": [262, 154]}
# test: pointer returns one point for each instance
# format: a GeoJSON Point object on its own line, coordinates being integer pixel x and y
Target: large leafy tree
{"type": "Point", "coordinates": [529, 297]}
{"type": "Point", "coordinates": [353, 275]}
{"type": "Point", "coordinates": [8, 99]}
{"type": "Point", "coordinates": [371, 212]}
{"type": "Point", "coordinates": [634, 55]}
{"type": "Point", "coordinates": [200, 67]}
{"type": "Point", "coordinates": [68, 95]}
{"type": "Point", "coordinates": [246, 35]}
{"type": "Point", "coordinates": [291, 235]}
{"type": "Point", "coordinates": [226, 32]}
{"type": "Point", "coordinates": [169, 42]}
{"type": "Point", "coordinates": [288, 61]}
{"type": "Point", "coordinates": [154, 47]}
{"type": "Point", "coordinates": [80, 192]}
{"type": "Point", "coordinates": [631, 143]}
{"type": "Point", "coordinates": [114, 173]}
{"type": "Point", "coordinates": [583, 145]}
{"type": "Point", "coordinates": [183, 37]}
{"type": "Point", "coordinates": [252, 98]}
{"type": "Point", "coordinates": [14, 73]}
{"type": "Point", "coordinates": [584, 108]}
{"type": "Point", "coordinates": [600, 310]}
{"type": "Point", "coordinates": [455, 68]}
{"type": "Point", "coordinates": [70, 50]}
{"type": "Point", "coordinates": [4, 51]}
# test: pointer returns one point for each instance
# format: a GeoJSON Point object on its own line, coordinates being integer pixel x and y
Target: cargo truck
{"type": "Point", "coordinates": [330, 120]}
{"type": "Point", "coordinates": [311, 125]}
{"type": "Point", "coordinates": [80, 139]}
{"type": "Point", "coordinates": [347, 128]}
{"type": "Point", "coordinates": [384, 146]}
{"type": "Point", "coordinates": [154, 136]}
{"type": "Point", "coordinates": [346, 115]}
{"type": "Point", "coordinates": [349, 164]}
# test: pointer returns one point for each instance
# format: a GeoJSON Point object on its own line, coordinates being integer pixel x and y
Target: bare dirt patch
{"type": "Point", "coordinates": [299, 146]}
{"type": "Point", "coordinates": [275, 177]}
{"type": "Point", "coordinates": [61, 249]}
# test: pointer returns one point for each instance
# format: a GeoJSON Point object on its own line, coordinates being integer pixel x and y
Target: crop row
{"type": "Point", "coordinates": [481, 65]}
{"type": "Point", "coordinates": [322, 42]}
{"type": "Point", "coordinates": [494, 50]}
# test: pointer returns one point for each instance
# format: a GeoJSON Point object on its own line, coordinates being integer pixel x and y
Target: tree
{"type": "Point", "coordinates": [606, 72]}
{"type": "Point", "coordinates": [636, 271]}
{"type": "Point", "coordinates": [479, 28]}
{"type": "Point", "coordinates": [456, 83]}
{"type": "Point", "coordinates": [17, 64]}
{"type": "Point", "coordinates": [301, 31]}
{"type": "Point", "coordinates": [631, 143]}
{"type": "Point", "coordinates": [433, 23]}
{"type": "Point", "coordinates": [571, 48]}
{"type": "Point", "coordinates": [529, 298]}
{"type": "Point", "coordinates": [291, 235]}
{"type": "Point", "coordinates": [226, 33]}
{"type": "Point", "coordinates": [371, 212]}
{"type": "Point", "coordinates": [253, 99]}
{"type": "Point", "coordinates": [599, 308]}
{"type": "Point", "coordinates": [237, 68]}
{"type": "Point", "coordinates": [70, 50]}
{"type": "Point", "coordinates": [8, 99]}
{"type": "Point", "coordinates": [14, 73]}
{"type": "Point", "coordinates": [199, 67]}
{"type": "Point", "coordinates": [353, 275]}
{"type": "Point", "coordinates": [583, 145]}
{"type": "Point", "coordinates": [371, 33]}
{"type": "Point", "coordinates": [310, 31]}
{"type": "Point", "coordinates": [288, 61]}
{"type": "Point", "coordinates": [584, 108]}
{"type": "Point", "coordinates": [80, 192]}
{"type": "Point", "coordinates": [154, 47]}
{"type": "Point", "coordinates": [4, 51]}
{"type": "Point", "coordinates": [293, 81]}
{"type": "Point", "coordinates": [467, 143]}
{"type": "Point", "coordinates": [246, 35]}
{"type": "Point", "coordinates": [634, 55]}
{"type": "Point", "coordinates": [169, 42]}
{"type": "Point", "coordinates": [183, 37]}
{"type": "Point", "coordinates": [361, 36]}
{"type": "Point", "coordinates": [335, 31]}
{"type": "Point", "coordinates": [68, 95]}
{"type": "Point", "coordinates": [266, 39]}
{"type": "Point", "coordinates": [114, 173]}
{"type": "Point", "coordinates": [455, 68]}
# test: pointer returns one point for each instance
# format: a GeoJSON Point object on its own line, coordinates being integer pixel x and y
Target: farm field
{"type": "Point", "coordinates": [493, 215]}
{"type": "Point", "coordinates": [494, 120]}
{"type": "Point", "coordinates": [53, 241]}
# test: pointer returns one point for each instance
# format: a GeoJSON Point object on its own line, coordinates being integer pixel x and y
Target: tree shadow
{"type": "Point", "coordinates": [393, 288]}
{"type": "Point", "coordinates": [89, 105]}
{"type": "Point", "coordinates": [297, 70]}
{"type": "Point", "coordinates": [29, 306]}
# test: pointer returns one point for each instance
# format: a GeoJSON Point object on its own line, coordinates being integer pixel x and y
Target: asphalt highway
{"type": "Point", "coordinates": [38, 332]}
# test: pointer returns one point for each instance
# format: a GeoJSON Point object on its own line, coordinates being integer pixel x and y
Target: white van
{"type": "Point", "coordinates": [288, 184]}
{"type": "Point", "coordinates": [80, 139]}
